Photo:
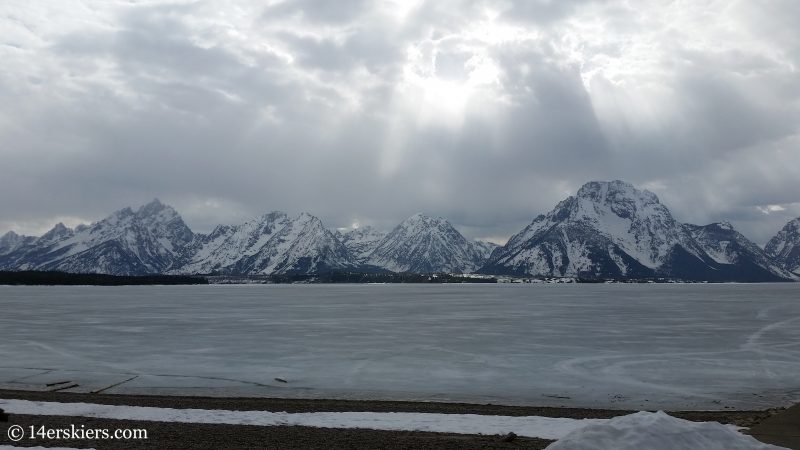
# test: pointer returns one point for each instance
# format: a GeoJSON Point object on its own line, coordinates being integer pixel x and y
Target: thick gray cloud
{"type": "Point", "coordinates": [487, 113]}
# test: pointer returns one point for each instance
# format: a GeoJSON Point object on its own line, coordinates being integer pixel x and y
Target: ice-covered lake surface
{"type": "Point", "coordinates": [615, 346]}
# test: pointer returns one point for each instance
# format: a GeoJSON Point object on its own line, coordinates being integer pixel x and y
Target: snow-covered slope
{"type": "Point", "coordinates": [362, 241]}
{"type": "Point", "coordinates": [152, 239]}
{"type": "Point", "coordinates": [222, 249]}
{"type": "Point", "coordinates": [485, 248]}
{"type": "Point", "coordinates": [271, 244]}
{"type": "Point", "coordinates": [785, 246]}
{"type": "Point", "coordinates": [304, 245]}
{"type": "Point", "coordinates": [728, 247]}
{"type": "Point", "coordinates": [425, 244]}
{"type": "Point", "coordinates": [609, 229]}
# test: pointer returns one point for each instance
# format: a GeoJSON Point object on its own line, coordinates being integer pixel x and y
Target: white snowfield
{"type": "Point", "coordinates": [658, 431]}
{"type": "Point", "coordinates": [640, 431]}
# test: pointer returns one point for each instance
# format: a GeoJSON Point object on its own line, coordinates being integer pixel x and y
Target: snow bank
{"type": "Point", "coordinates": [645, 430]}
{"type": "Point", "coordinates": [531, 426]}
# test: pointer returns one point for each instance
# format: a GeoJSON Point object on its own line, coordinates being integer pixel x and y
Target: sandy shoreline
{"type": "Point", "coordinates": [187, 435]}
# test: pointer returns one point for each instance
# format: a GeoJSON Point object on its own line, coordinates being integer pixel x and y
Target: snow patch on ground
{"type": "Point", "coordinates": [637, 431]}
{"type": "Point", "coordinates": [645, 430]}
{"type": "Point", "coordinates": [531, 426]}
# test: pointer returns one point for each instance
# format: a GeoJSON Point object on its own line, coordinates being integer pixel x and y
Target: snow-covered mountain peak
{"type": "Point", "coordinates": [149, 240]}
{"type": "Point", "coordinates": [10, 235]}
{"type": "Point", "coordinates": [308, 218]}
{"type": "Point", "coordinates": [271, 243]}
{"type": "Point", "coordinates": [272, 216]}
{"type": "Point", "coordinates": [614, 192]}
{"type": "Point", "coordinates": [121, 216]}
{"type": "Point", "coordinates": [12, 241]}
{"type": "Point", "coordinates": [426, 244]}
{"type": "Point", "coordinates": [421, 223]}
{"type": "Point", "coordinates": [793, 226]}
{"type": "Point", "coordinates": [58, 232]}
{"type": "Point", "coordinates": [155, 208]}
{"type": "Point", "coordinates": [785, 246]}
{"type": "Point", "coordinates": [618, 197]}
{"type": "Point", "coordinates": [124, 212]}
{"type": "Point", "coordinates": [724, 225]}
{"type": "Point", "coordinates": [424, 219]}
{"type": "Point", "coordinates": [612, 229]}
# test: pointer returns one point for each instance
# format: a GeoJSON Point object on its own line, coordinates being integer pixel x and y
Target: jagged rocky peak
{"type": "Point", "coordinates": [303, 245]}
{"type": "Point", "coordinates": [151, 239]}
{"type": "Point", "coordinates": [270, 244]}
{"type": "Point", "coordinates": [154, 207]}
{"type": "Point", "coordinates": [157, 210]}
{"type": "Point", "coordinates": [614, 191]}
{"type": "Point", "coordinates": [12, 241]}
{"type": "Point", "coordinates": [9, 239]}
{"type": "Point", "coordinates": [724, 225]}
{"type": "Point", "coordinates": [623, 199]}
{"type": "Point", "coordinates": [426, 244]}
{"type": "Point", "coordinates": [785, 246]}
{"type": "Point", "coordinates": [58, 232]}
{"type": "Point", "coordinates": [630, 218]}
{"type": "Point", "coordinates": [163, 221]}
{"type": "Point", "coordinates": [423, 223]}
{"type": "Point", "coordinates": [308, 218]}
{"type": "Point", "coordinates": [9, 236]}
{"type": "Point", "coordinates": [273, 216]}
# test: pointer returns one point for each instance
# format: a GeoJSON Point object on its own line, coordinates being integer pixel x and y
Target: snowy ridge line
{"type": "Point", "coordinates": [608, 229]}
{"type": "Point", "coordinates": [530, 426]}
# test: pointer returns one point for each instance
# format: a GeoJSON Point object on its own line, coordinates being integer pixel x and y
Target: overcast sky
{"type": "Point", "coordinates": [484, 112]}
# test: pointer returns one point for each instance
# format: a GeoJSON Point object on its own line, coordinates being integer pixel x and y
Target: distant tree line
{"type": "Point", "coordinates": [32, 277]}
{"type": "Point", "coordinates": [356, 277]}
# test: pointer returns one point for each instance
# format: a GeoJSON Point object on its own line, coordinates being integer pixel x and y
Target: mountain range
{"type": "Point", "coordinates": [607, 230]}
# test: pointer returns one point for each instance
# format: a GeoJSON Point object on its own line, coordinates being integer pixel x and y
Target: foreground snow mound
{"type": "Point", "coordinates": [658, 431]}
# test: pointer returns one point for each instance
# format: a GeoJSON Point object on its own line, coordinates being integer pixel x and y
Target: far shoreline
{"type": "Point", "coordinates": [56, 278]}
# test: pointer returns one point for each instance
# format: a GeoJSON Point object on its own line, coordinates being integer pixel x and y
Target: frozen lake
{"type": "Point", "coordinates": [619, 346]}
